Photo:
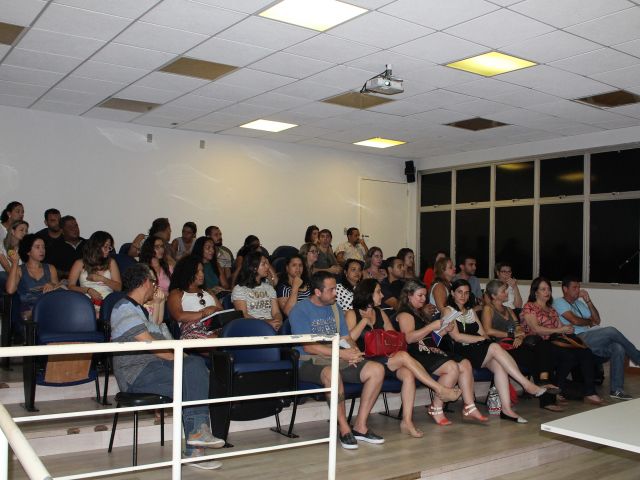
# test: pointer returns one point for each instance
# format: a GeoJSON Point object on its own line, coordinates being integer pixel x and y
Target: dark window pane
{"type": "Point", "coordinates": [435, 189]}
{"type": "Point", "coordinates": [562, 176]}
{"type": "Point", "coordinates": [473, 184]}
{"type": "Point", "coordinates": [615, 171]}
{"type": "Point", "coordinates": [560, 240]}
{"type": "Point", "coordinates": [472, 237]}
{"type": "Point", "coordinates": [615, 227]}
{"type": "Point", "coordinates": [435, 234]}
{"type": "Point", "coordinates": [514, 180]}
{"type": "Point", "coordinates": [514, 239]}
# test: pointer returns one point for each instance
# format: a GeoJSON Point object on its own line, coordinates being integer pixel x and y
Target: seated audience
{"type": "Point", "coordinates": [317, 315]}
{"type": "Point", "coordinates": [354, 247]}
{"type": "Point", "coordinates": [577, 309]}
{"type": "Point", "coordinates": [13, 212]}
{"type": "Point", "coordinates": [311, 235]}
{"type": "Point", "coordinates": [366, 316]}
{"type": "Point", "coordinates": [327, 260]}
{"type": "Point", "coordinates": [429, 273]}
{"type": "Point", "coordinates": [52, 230]}
{"type": "Point", "coordinates": [443, 271]}
{"type": "Point", "coordinates": [539, 319]}
{"type": "Point", "coordinates": [351, 278]}
{"type": "Point", "coordinates": [183, 245]}
{"type": "Point", "coordinates": [451, 370]}
{"type": "Point", "coordinates": [152, 254]}
{"type": "Point", "coordinates": [204, 248]}
{"type": "Point", "coordinates": [472, 343]}
{"type": "Point", "coordinates": [16, 233]}
{"type": "Point", "coordinates": [225, 257]}
{"type": "Point", "coordinates": [162, 228]}
{"type": "Point", "coordinates": [373, 264]}
{"type": "Point", "coordinates": [96, 274]}
{"type": "Point", "coordinates": [188, 302]}
{"type": "Point", "coordinates": [504, 273]}
{"type": "Point", "coordinates": [309, 253]}
{"type": "Point", "coordinates": [33, 278]}
{"type": "Point", "coordinates": [392, 285]}
{"type": "Point", "coordinates": [152, 371]}
{"type": "Point", "coordinates": [467, 266]}
{"type": "Point", "coordinates": [64, 251]}
{"type": "Point", "coordinates": [293, 286]}
{"type": "Point", "coordinates": [409, 259]}
{"type": "Point", "coordinates": [253, 295]}
{"type": "Point", "coordinates": [501, 324]}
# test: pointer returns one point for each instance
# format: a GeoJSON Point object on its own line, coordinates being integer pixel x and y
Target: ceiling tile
{"type": "Point", "coordinates": [320, 110]}
{"type": "Point", "coordinates": [480, 107]}
{"type": "Point", "coordinates": [179, 114]}
{"type": "Point", "coordinates": [291, 65]}
{"type": "Point", "coordinates": [246, 6]}
{"type": "Point", "coordinates": [130, 56]}
{"type": "Point", "coordinates": [20, 12]}
{"type": "Point", "coordinates": [59, 107]}
{"type": "Point", "coordinates": [197, 102]}
{"type": "Point", "coordinates": [111, 114]}
{"type": "Point", "coordinates": [228, 52]}
{"type": "Point", "coordinates": [618, 27]}
{"type": "Point", "coordinates": [43, 78]}
{"type": "Point", "coordinates": [632, 47]}
{"type": "Point", "coordinates": [568, 12]}
{"type": "Point", "coordinates": [309, 89]}
{"type": "Point", "coordinates": [153, 120]}
{"type": "Point", "coordinates": [400, 107]}
{"type": "Point", "coordinates": [555, 82]}
{"type": "Point", "coordinates": [344, 78]}
{"type": "Point", "coordinates": [121, 8]}
{"type": "Point", "coordinates": [276, 100]}
{"type": "Point", "coordinates": [331, 49]}
{"type": "Point", "coordinates": [224, 120]}
{"type": "Point", "coordinates": [437, 14]}
{"type": "Point", "coordinates": [252, 112]}
{"type": "Point", "coordinates": [155, 37]}
{"type": "Point", "coordinates": [597, 61]}
{"type": "Point", "coordinates": [499, 28]}
{"type": "Point", "coordinates": [245, 132]}
{"type": "Point", "coordinates": [81, 23]}
{"type": "Point", "coordinates": [73, 97]}
{"type": "Point", "coordinates": [623, 77]}
{"type": "Point", "coordinates": [439, 98]}
{"type": "Point", "coordinates": [16, 100]}
{"type": "Point", "coordinates": [440, 116]}
{"type": "Point", "coordinates": [169, 81]}
{"type": "Point", "coordinates": [108, 72]}
{"type": "Point", "coordinates": [254, 79]}
{"type": "Point", "coordinates": [550, 46]}
{"type": "Point", "coordinates": [41, 61]}
{"type": "Point", "coordinates": [367, 29]}
{"type": "Point", "coordinates": [227, 92]}
{"type": "Point", "coordinates": [4, 49]}
{"type": "Point", "coordinates": [267, 33]}
{"type": "Point", "coordinates": [58, 43]}
{"type": "Point", "coordinates": [147, 94]}
{"type": "Point", "coordinates": [376, 62]}
{"type": "Point", "coordinates": [435, 76]}
{"type": "Point", "coordinates": [524, 98]}
{"type": "Point", "coordinates": [21, 89]}
{"type": "Point", "coordinates": [192, 17]}
{"type": "Point", "coordinates": [440, 48]}
{"type": "Point", "coordinates": [486, 88]}
{"type": "Point", "coordinates": [90, 85]}
{"type": "Point", "coordinates": [576, 112]}
{"type": "Point", "coordinates": [629, 110]}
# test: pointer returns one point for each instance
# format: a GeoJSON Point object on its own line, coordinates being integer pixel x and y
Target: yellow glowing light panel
{"type": "Point", "coordinates": [268, 125]}
{"type": "Point", "coordinates": [491, 63]}
{"type": "Point", "coordinates": [315, 14]}
{"type": "Point", "coordinates": [380, 143]}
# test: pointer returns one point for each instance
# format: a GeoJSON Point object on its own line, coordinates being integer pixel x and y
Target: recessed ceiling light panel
{"type": "Point", "coordinates": [318, 15]}
{"type": "Point", "coordinates": [378, 142]}
{"type": "Point", "coordinates": [491, 63]}
{"type": "Point", "coordinates": [268, 125]}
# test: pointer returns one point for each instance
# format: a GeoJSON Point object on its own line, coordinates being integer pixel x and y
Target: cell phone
{"type": "Point", "coordinates": [344, 344]}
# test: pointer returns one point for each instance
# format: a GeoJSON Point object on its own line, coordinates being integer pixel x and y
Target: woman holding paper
{"type": "Point", "coordinates": [188, 303]}
{"type": "Point", "coordinates": [418, 329]}
{"type": "Point", "coordinates": [472, 343]}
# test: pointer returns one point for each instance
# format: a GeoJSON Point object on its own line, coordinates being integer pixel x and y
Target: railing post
{"type": "Point", "coordinates": [176, 467]}
{"type": "Point", "coordinates": [4, 456]}
{"type": "Point", "coordinates": [333, 407]}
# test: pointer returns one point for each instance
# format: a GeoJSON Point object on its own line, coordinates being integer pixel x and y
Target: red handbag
{"type": "Point", "coordinates": [383, 343]}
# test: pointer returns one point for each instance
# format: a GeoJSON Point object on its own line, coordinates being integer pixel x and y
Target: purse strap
{"type": "Point", "coordinates": [336, 316]}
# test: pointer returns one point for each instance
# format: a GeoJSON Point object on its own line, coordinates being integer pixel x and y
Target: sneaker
{"type": "Point", "coordinates": [207, 465]}
{"type": "Point", "coordinates": [204, 438]}
{"type": "Point", "coordinates": [369, 437]}
{"type": "Point", "coordinates": [348, 441]}
{"type": "Point", "coordinates": [620, 395]}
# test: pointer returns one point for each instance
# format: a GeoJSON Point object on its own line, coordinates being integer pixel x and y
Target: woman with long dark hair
{"type": "Point", "coordinates": [13, 212]}
{"type": "Point", "coordinates": [152, 253]}
{"type": "Point", "coordinates": [351, 278]}
{"type": "Point", "coordinates": [214, 279]}
{"type": "Point", "coordinates": [293, 285]}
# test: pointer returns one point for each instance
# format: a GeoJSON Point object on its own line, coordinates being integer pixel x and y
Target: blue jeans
{"type": "Point", "coordinates": [608, 342]}
{"type": "Point", "coordinates": [157, 377]}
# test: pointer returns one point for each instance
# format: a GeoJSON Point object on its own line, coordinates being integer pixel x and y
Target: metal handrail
{"type": "Point", "coordinates": [11, 434]}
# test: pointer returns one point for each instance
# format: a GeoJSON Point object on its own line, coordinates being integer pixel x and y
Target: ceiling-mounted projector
{"type": "Point", "coordinates": [384, 83]}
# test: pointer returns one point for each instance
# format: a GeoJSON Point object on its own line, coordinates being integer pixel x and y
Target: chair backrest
{"type": "Point", "coordinates": [283, 251]}
{"type": "Point", "coordinates": [107, 305]}
{"type": "Point", "coordinates": [124, 249]}
{"type": "Point", "coordinates": [124, 261]}
{"type": "Point", "coordinates": [64, 311]}
{"type": "Point", "coordinates": [279, 264]}
{"type": "Point", "coordinates": [251, 327]}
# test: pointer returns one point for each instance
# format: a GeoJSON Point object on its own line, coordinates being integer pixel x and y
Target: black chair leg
{"type": "Point", "coordinates": [113, 430]}
{"type": "Point", "coordinates": [107, 366]}
{"type": "Point", "coordinates": [353, 406]}
{"type": "Point", "coordinates": [135, 438]}
{"type": "Point", "coordinates": [29, 385]}
{"type": "Point", "coordinates": [97, 389]}
{"type": "Point", "coordinates": [162, 427]}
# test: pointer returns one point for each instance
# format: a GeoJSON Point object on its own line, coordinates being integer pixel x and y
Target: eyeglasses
{"type": "Point", "coordinates": [108, 248]}
{"type": "Point", "coordinates": [313, 251]}
{"type": "Point", "coordinates": [201, 297]}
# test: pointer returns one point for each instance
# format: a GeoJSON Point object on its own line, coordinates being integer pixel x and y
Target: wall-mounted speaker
{"type": "Point", "coordinates": [410, 171]}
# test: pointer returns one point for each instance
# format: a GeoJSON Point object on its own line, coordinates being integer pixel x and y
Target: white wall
{"type": "Point", "coordinates": [109, 177]}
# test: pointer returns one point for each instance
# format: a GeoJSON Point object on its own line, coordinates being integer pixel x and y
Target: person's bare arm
{"type": "Point", "coordinates": [146, 337]}
{"type": "Point", "coordinates": [487, 323]}
{"type": "Point", "coordinates": [179, 315]}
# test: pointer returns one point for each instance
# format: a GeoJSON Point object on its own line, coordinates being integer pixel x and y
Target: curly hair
{"type": "Point", "coordinates": [26, 245]}
{"type": "Point", "coordinates": [198, 251]}
{"type": "Point", "coordinates": [363, 294]}
{"type": "Point", "coordinates": [148, 251]}
{"type": "Point", "coordinates": [184, 273]}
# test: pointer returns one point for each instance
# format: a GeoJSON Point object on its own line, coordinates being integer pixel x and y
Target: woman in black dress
{"type": "Point", "coordinates": [418, 328]}
{"type": "Point", "coordinates": [472, 343]}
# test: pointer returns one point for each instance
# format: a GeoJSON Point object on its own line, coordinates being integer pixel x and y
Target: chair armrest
{"type": "Point", "coordinates": [31, 331]}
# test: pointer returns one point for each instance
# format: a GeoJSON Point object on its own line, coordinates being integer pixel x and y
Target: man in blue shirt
{"type": "Point", "coordinates": [319, 315]}
{"type": "Point", "coordinates": [576, 308]}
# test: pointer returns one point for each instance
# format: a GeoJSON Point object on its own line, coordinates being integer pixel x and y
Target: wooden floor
{"type": "Point", "coordinates": [462, 444]}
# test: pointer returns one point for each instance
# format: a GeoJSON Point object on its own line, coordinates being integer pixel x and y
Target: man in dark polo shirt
{"type": "Point", "coordinates": [66, 249]}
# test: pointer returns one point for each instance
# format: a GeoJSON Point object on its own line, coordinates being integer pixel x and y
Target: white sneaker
{"type": "Point", "coordinates": [204, 438]}
{"type": "Point", "coordinates": [206, 465]}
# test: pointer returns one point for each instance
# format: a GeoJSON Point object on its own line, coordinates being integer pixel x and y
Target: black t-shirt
{"type": "Point", "coordinates": [61, 255]}
{"type": "Point", "coordinates": [391, 289]}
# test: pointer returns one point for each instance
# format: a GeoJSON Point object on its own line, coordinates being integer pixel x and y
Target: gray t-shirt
{"type": "Point", "coordinates": [258, 299]}
{"type": "Point", "coordinates": [129, 319]}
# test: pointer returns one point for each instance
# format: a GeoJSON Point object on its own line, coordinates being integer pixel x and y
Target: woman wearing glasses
{"type": "Point", "coordinates": [96, 274]}
{"type": "Point", "coordinates": [188, 303]}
